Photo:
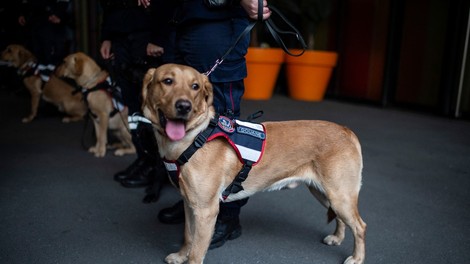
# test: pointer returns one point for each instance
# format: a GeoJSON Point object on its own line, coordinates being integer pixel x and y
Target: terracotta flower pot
{"type": "Point", "coordinates": [263, 65]}
{"type": "Point", "coordinates": [308, 75]}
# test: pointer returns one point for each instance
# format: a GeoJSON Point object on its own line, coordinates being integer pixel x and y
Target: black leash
{"type": "Point", "coordinates": [6, 63]}
{"type": "Point", "coordinates": [87, 120]}
{"type": "Point", "coordinates": [272, 28]}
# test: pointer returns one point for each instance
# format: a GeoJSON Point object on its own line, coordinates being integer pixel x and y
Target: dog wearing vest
{"type": "Point", "coordinates": [322, 155]}
{"type": "Point", "coordinates": [106, 112]}
{"type": "Point", "coordinates": [48, 87]}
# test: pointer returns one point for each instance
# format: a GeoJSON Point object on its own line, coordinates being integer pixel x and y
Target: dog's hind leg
{"type": "Point", "coordinates": [126, 144]}
{"type": "Point", "coordinates": [345, 207]}
{"type": "Point", "coordinates": [337, 237]}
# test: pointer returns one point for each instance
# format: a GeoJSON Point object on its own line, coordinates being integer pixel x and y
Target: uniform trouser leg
{"type": "Point", "coordinates": [227, 79]}
{"type": "Point", "coordinates": [227, 99]}
{"type": "Point", "coordinates": [125, 70]}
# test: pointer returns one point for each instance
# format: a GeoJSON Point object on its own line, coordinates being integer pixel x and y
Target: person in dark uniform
{"type": "Point", "coordinates": [47, 22]}
{"type": "Point", "coordinates": [10, 33]}
{"type": "Point", "coordinates": [203, 35]}
{"type": "Point", "coordinates": [129, 48]}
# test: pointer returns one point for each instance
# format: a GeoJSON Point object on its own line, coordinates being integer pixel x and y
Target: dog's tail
{"type": "Point", "coordinates": [331, 214]}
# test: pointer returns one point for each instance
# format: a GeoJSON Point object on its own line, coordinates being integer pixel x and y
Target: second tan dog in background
{"type": "Point", "coordinates": [55, 91]}
{"type": "Point", "coordinates": [86, 72]}
{"type": "Point", "coordinates": [324, 156]}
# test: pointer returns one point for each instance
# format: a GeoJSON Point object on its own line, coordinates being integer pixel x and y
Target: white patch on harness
{"type": "Point", "coordinates": [135, 119]}
{"type": "Point", "coordinates": [170, 166]}
{"type": "Point", "coordinates": [250, 125]}
{"type": "Point", "coordinates": [248, 153]}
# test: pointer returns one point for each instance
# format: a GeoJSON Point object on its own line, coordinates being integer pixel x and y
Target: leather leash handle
{"type": "Point", "coordinates": [275, 31]}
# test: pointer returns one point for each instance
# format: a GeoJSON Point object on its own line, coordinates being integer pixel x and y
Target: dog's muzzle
{"type": "Point", "coordinates": [183, 107]}
{"type": "Point", "coordinates": [175, 129]}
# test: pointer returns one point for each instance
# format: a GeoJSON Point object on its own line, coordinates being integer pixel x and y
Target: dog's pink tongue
{"type": "Point", "coordinates": [175, 130]}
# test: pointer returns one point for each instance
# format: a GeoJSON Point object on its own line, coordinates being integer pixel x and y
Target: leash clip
{"type": "Point", "coordinates": [217, 63]}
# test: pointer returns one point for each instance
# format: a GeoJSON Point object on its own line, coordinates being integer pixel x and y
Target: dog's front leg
{"type": "Point", "coordinates": [33, 84]}
{"type": "Point", "coordinates": [182, 255]}
{"type": "Point", "coordinates": [101, 126]}
{"type": "Point", "coordinates": [199, 227]}
{"type": "Point", "coordinates": [204, 222]}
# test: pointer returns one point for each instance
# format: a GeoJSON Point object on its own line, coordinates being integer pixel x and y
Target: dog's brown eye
{"type": "Point", "coordinates": [195, 86]}
{"type": "Point", "coordinates": [167, 81]}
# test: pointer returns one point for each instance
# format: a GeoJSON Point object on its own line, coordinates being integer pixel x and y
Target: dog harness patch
{"type": "Point", "coordinates": [246, 138]}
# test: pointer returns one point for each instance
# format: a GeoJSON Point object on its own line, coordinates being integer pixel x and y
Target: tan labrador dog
{"type": "Point", "coordinates": [322, 155]}
{"type": "Point", "coordinates": [55, 91]}
{"type": "Point", "coordinates": [86, 72]}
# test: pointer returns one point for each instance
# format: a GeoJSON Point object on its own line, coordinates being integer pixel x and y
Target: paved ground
{"type": "Point", "coordinates": [59, 204]}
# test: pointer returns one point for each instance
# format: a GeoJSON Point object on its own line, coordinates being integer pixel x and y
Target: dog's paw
{"type": "Point", "coordinates": [332, 240]}
{"type": "Point", "coordinates": [92, 149]}
{"type": "Point", "coordinates": [119, 152]}
{"type": "Point", "coordinates": [175, 258]}
{"type": "Point", "coordinates": [97, 151]}
{"type": "Point", "coordinates": [27, 119]}
{"type": "Point", "coordinates": [100, 154]}
{"type": "Point", "coordinates": [351, 260]}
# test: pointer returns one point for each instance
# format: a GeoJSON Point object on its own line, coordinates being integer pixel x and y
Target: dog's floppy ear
{"type": "Point", "coordinates": [23, 55]}
{"type": "Point", "coordinates": [209, 94]}
{"type": "Point", "coordinates": [148, 78]}
{"type": "Point", "coordinates": [78, 65]}
{"type": "Point", "coordinates": [147, 95]}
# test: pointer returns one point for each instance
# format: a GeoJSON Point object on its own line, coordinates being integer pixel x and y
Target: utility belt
{"type": "Point", "coordinates": [120, 4]}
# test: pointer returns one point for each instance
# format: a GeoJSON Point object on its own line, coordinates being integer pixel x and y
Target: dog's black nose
{"type": "Point", "coordinates": [183, 106]}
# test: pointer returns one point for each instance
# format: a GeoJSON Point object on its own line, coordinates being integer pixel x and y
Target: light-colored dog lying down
{"type": "Point", "coordinates": [322, 155]}
{"type": "Point", "coordinates": [53, 90]}
{"type": "Point", "coordinates": [95, 84]}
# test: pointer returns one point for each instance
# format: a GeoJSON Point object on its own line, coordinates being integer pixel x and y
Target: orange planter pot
{"type": "Point", "coordinates": [308, 75]}
{"type": "Point", "coordinates": [263, 65]}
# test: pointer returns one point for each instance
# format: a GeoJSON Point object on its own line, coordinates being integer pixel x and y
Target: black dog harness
{"type": "Point", "coordinates": [31, 68]}
{"type": "Point", "coordinates": [111, 89]}
{"type": "Point", "coordinates": [246, 138]}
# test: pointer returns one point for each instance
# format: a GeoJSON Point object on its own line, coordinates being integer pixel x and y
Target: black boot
{"type": "Point", "coordinates": [144, 141]}
{"type": "Point", "coordinates": [143, 176]}
{"type": "Point", "coordinates": [225, 229]}
{"type": "Point", "coordinates": [137, 164]}
{"type": "Point", "coordinates": [129, 171]}
{"type": "Point", "coordinates": [153, 191]}
{"type": "Point", "coordinates": [172, 215]}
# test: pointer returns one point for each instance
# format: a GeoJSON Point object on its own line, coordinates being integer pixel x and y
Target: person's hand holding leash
{"type": "Point", "coordinates": [105, 50]}
{"type": "Point", "coordinates": [154, 50]}
{"type": "Point", "coordinates": [144, 3]}
{"type": "Point", "coordinates": [54, 19]}
{"type": "Point", "coordinates": [251, 8]}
